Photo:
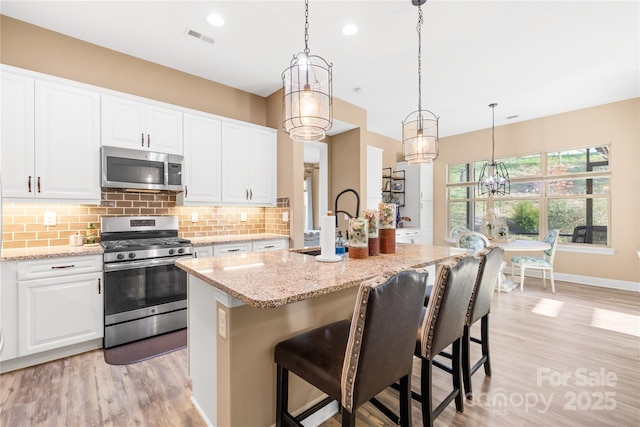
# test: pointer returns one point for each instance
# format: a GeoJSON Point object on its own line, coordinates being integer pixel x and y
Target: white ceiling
{"type": "Point", "coordinates": [534, 58]}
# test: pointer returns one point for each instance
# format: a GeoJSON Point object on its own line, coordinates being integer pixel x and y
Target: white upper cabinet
{"type": "Point", "coordinates": [129, 123]}
{"type": "Point", "coordinates": [50, 140]}
{"type": "Point", "coordinates": [249, 165]}
{"type": "Point", "coordinates": [202, 173]}
{"type": "Point", "coordinates": [419, 198]}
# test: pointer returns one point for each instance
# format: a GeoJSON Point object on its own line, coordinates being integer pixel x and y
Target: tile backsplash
{"type": "Point", "coordinates": [23, 223]}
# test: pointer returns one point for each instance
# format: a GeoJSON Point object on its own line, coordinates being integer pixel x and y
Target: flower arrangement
{"type": "Point", "coordinates": [371, 215]}
{"type": "Point", "coordinates": [387, 215]}
{"type": "Point", "coordinates": [358, 235]}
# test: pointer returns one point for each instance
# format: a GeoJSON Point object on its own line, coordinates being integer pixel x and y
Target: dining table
{"type": "Point", "coordinates": [510, 245]}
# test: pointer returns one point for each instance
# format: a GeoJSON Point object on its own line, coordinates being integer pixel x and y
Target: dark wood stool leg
{"type": "Point", "coordinates": [484, 333]}
{"type": "Point", "coordinates": [425, 391]}
{"type": "Point", "coordinates": [405, 401]}
{"type": "Point", "coordinates": [466, 362]}
{"type": "Point", "coordinates": [348, 418]}
{"type": "Point", "coordinates": [457, 380]}
{"type": "Point", "coordinates": [282, 394]}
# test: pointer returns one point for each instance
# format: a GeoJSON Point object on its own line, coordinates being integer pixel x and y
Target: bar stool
{"type": "Point", "coordinates": [354, 361]}
{"type": "Point", "coordinates": [479, 308]}
{"type": "Point", "coordinates": [442, 325]}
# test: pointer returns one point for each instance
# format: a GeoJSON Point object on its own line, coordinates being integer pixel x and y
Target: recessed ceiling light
{"type": "Point", "coordinates": [349, 29]}
{"type": "Point", "coordinates": [215, 20]}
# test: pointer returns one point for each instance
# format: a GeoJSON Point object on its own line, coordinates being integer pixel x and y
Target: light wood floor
{"type": "Point", "coordinates": [531, 350]}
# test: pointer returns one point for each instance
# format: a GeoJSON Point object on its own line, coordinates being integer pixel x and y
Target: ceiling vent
{"type": "Point", "coordinates": [197, 35]}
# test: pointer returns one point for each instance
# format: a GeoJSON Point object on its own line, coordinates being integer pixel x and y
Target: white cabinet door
{"type": "Point", "coordinates": [67, 142]}
{"type": "Point", "coordinates": [418, 195]}
{"type": "Point", "coordinates": [129, 123]}
{"type": "Point", "coordinates": [9, 310]}
{"type": "Point", "coordinates": [123, 123]}
{"type": "Point", "coordinates": [248, 165]}
{"type": "Point", "coordinates": [202, 251]}
{"type": "Point", "coordinates": [374, 177]}
{"type": "Point", "coordinates": [50, 140]}
{"type": "Point", "coordinates": [262, 166]}
{"type": "Point", "coordinates": [59, 311]}
{"type": "Point", "coordinates": [164, 130]}
{"type": "Point", "coordinates": [202, 169]}
{"type": "Point", "coordinates": [17, 143]}
{"type": "Point", "coordinates": [235, 172]}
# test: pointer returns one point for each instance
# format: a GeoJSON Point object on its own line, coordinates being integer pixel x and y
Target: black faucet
{"type": "Point", "coordinates": [336, 211]}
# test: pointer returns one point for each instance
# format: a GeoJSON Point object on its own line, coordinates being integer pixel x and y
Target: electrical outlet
{"type": "Point", "coordinates": [49, 218]}
{"type": "Point", "coordinates": [194, 216]}
{"type": "Point", "coordinates": [243, 216]}
{"type": "Point", "coordinates": [285, 216]}
{"type": "Point", "coordinates": [222, 323]}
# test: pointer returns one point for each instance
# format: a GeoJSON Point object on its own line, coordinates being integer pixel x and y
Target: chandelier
{"type": "Point", "coordinates": [494, 177]}
{"type": "Point", "coordinates": [420, 128]}
{"type": "Point", "coordinates": [307, 111]}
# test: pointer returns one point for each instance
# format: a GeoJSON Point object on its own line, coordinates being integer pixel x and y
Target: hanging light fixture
{"type": "Point", "coordinates": [307, 111]}
{"type": "Point", "coordinates": [420, 128]}
{"type": "Point", "coordinates": [494, 177]}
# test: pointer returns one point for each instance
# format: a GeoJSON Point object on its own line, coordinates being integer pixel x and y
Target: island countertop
{"type": "Point", "coordinates": [273, 279]}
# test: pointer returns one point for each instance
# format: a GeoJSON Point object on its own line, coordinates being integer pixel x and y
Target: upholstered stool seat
{"type": "Point", "coordinates": [353, 361]}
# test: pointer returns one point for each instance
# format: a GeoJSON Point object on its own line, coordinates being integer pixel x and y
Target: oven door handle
{"type": "Point", "coordinates": [130, 265]}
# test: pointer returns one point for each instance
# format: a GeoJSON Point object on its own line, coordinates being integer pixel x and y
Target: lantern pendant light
{"type": "Point", "coordinates": [494, 177]}
{"type": "Point", "coordinates": [420, 128]}
{"type": "Point", "coordinates": [307, 110]}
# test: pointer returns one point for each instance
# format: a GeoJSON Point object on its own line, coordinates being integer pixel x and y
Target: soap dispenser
{"type": "Point", "coordinates": [340, 244]}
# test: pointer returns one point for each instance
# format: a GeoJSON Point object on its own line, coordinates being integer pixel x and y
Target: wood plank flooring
{"type": "Point", "coordinates": [548, 369]}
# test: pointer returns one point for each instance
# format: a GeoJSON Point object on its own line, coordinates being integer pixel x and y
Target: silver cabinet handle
{"type": "Point", "coordinates": [250, 194]}
{"type": "Point", "coordinates": [246, 194]}
{"type": "Point", "coordinates": [142, 139]}
{"type": "Point", "coordinates": [57, 267]}
{"type": "Point", "coordinates": [99, 286]}
{"type": "Point", "coordinates": [148, 140]}
{"type": "Point", "coordinates": [233, 250]}
{"type": "Point", "coordinates": [29, 183]}
{"type": "Point", "coordinates": [186, 191]}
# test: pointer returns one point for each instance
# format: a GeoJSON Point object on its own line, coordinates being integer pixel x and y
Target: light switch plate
{"type": "Point", "coordinates": [194, 216]}
{"type": "Point", "coordinates": [285, 216]}
{"type": "Point", "coordinates": [243, 216]}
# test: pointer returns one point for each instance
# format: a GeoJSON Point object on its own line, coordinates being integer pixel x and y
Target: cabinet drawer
{"type": "Point", "coordinates": [232, 248]}
{"type": "Point", "coordinates": [270, 245]}
{"type": "Point", "coordinates": [54, 267]}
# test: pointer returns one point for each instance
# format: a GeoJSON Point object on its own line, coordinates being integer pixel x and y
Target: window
{"type": "Point", "coordinates": [567, 190]}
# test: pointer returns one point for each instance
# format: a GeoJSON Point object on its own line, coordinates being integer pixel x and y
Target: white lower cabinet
{"type": "Point", "coordinates": [202, 251]}
{"type": "Point", "coordinates": [61, 307]}
{"type": "Point", "coordinates": [408, 235]}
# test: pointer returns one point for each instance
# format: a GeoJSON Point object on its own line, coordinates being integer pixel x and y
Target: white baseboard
{"type": "Point", "coordinates": [601, 282]}
{"type": "Point", "coordinates": [49, 355]}
{"type": "Point", "coordinates": [200, 412]}
{"type": "Point", "coordinates": [322, 415]}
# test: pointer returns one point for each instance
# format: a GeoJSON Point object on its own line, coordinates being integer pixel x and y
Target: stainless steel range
{"type": "Point", "coordinates": [145, 294]}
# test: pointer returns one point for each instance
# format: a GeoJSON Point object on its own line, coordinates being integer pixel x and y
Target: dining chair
{"type": "Point", "coordinates": [472, 240]}
{"type": "Point", "coordinates": [543, 263]}
{"type": "Point", "coordinates": [353, 361]}
{"type": "Point", "coordinates": [457, 230]}
{"type": "Point", "coordinates": [477, 242]}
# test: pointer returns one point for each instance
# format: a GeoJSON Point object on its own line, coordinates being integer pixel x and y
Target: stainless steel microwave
{"type": "Point", "coordinates": [141, 170]}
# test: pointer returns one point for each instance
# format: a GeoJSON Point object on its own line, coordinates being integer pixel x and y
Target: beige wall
{"type": "Point", "coordinates": [617, 124]}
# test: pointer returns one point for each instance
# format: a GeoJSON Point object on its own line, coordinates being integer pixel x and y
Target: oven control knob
{"type": "Point", "coordinates": [181, 250]}
{"type": "Point", "coordinates": [172, 251]}
{"type": "Point", "coordinates": [132, 254]}
{"type": "Point", "coordinates": [120, 256]}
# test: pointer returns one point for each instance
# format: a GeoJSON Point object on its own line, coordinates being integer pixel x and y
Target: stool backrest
{"type": "Point", "coordinates": [382, 337]}
{"type": "Point", "coordinates": [446, 311]}
{"type": "Point", "coordinates": [490, 263]}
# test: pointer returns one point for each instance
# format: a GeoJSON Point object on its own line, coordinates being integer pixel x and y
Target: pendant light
{"type": "Point", "coordinates": [420, 128]}
{"type": "Point", "coordinates": [494, 178]}
{"type": "Point", "coordinates": [307, 110]}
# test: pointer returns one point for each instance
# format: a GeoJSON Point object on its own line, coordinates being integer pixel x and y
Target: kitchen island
{"type": "Point", "coordinates": [241, 306]}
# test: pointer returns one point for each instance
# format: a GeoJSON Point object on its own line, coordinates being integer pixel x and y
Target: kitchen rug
{"type": "Point", "coordinates": [138, 351]}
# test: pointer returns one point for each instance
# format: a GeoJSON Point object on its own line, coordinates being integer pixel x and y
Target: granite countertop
{"type": "Point", "coordinates": [23, 254]}
{"type": "Point", "coordinates": [276, 278]}
{"type": "Point", "coordinates": [214, 240]}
